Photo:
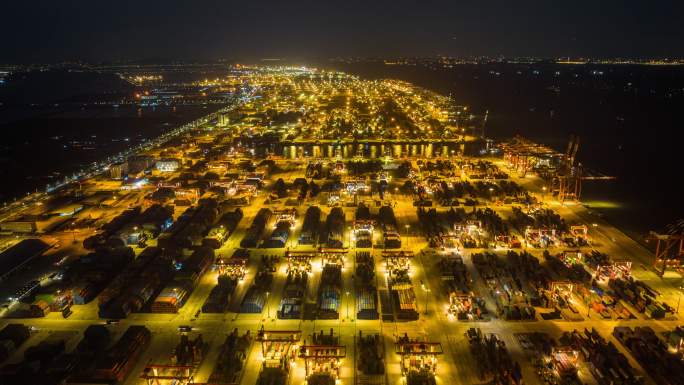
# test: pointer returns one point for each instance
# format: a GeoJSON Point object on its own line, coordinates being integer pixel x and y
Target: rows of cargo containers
{"type": "Point", "coordinates": [92, 361]}
{"type": "Point", "coordinates": [638, 294]}
{"type": "Point", "coordinates": [311, 226]}
{"type": "Point", "coordinates": [256, 229]}
{"type": "Point", "coordinates": [655, 356]}
{"type": "Point", "coordinates": [231, 271]}
{"type": "Point", "coordinates": [329, 292]}
{"type": "Point", "coordinates": [218, 299]}
{"type": "Point", "coordinates": [91, 273]}
{"type": "Point", "coordinates": [95, 270]}
{"type": "Point", "coordinates": [222, 229]}
{"type": "Point", "coordinates": [188, 273]}
{"type": "Point", "coordinates": [196, 232]}
{"type": "Point", "coordinates": [494, 361]}
{"type": "Point", "coordinates": [230, 362]}
{"type": "Point", "coordinates": [279, 236]}
{"type": "Point", "coordinates": [606, 363]}
{"type": "Point", "coordinates": [134, 287]}
{"type": "Point", "coordinates": [133, 227]}
{"type": "Point", "coordinates": [220, 295]}
{"type": "Point", "coordinates": [44, 300]}
{"type": "Point", "coordinates": [12, 337]}
{"type": "Point", "coordinates": [404, 299]}
{"type": "Point", "coordinates": [294, 294]}
{"type": "Point", "coordinates": [255, 298]}
{"type": "Point", "coordinates": [329, 233]}
{"type": "Point", "coordinates": [154, 275]}
{"type": "Point", "coordinates": [333, 233]}
{"type": "Point", "coordinates": [191, 227]}
{"type": "Point", "coordinates": [512, 296]}
{"type": "Point", "coordinates": [366, 292]}
{"type": "Point", "coordinates": [388, 222]}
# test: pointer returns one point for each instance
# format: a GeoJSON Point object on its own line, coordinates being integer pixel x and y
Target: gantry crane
{"type": "Point", "coordinates": [567, 183]}
{"type": "Point", "coordinates": [522, 154]}
{"type": "Point", "coordinates": [669, 251]}
{"type": "Point", "coordinates": [561, 171]}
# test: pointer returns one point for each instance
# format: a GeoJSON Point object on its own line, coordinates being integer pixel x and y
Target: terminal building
{"type": "Point", "coordinates": [223, 120]}
{"type": "Point", "coordinates": [118, 170]}
{"type": "Point", "coordinates": [167, 165]}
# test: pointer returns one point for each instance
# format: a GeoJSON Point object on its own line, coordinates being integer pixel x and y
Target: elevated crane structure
{"type": "Point", "coordinates": [563, 173]}
{"type": "Point", "coordinates": [158, 374]}
{"type": "Point", "coordinates": [567, 181]}
{"type": "Point", "coordinates": [669, 251]}
{"type": "Point", "coordinates": [186, 359]}
{"type": "Point", "coordinates": [523, 155]}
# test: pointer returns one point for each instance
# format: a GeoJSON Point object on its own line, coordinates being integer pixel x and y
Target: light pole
{"type": "Point", "coordinates": [427, 293]}
{"type": "Point", "coordinates": [355, 305]}
{"type": "Point", "coordinates": [347, 294]}
{"type": "Point", "coordinates": [543, 193]}
{"type": "Point", "coordinates": [268, 306]}
{"type": "Point", "coordinates": [73, 231]}
{"type": "Point", "coordinates": [408, 243]}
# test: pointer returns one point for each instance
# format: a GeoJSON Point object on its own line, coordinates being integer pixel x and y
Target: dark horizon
{"type": "Point", "coordinates": [324, 62]}
{"type": "Point", "coordinates": [48, 32]}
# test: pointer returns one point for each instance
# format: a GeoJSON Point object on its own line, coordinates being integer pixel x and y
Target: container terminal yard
{"type": "Point", "coordinates": [324, 229]}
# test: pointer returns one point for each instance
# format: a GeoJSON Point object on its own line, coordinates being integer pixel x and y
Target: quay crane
{"type": "Point", "coordinates": [564, 174]}
{"type": "Point", "coordinates": [567, 183]}
{"type": "Point", "coordinates": [669, 248]}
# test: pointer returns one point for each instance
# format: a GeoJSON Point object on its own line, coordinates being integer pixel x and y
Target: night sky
{"type": "Point", "coordinates": [94, 30]}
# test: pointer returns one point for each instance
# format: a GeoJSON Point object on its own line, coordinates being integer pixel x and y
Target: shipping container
{"type": "Point", "coordinates": [386, 306]}
{"type": "Point", "coordinates": [293, 295]}
{"type": "Point", "coordinates": [254, 301]}
{"type": "Point", "coordinates": [117, 363]}
{"type": "Point", "coordinates": [365, 283]}
{"type": "Point", "coordinates": [255, 298]}
{"type": "Point", "coordinates": [16, 334]}
{"type": "Point", "coordinates": [222, 230]}
{"type": "Point", "coordinates": [279, 236]}
{"type": "Point", "coordinates": [256, 229]}
{"type": "Point", "coordinates": [311, 226]}
{"type": "Point", "coordinates": [220, 295]}
{"type": "Point", "coordinates": [170, 299]}
{"type": "Point", "coordinates": [329, 292]}
{"type": "Point", "coordinates": [366, 303]}
{"type": "Point", "coordinates": [333, 236]}
{"type": "Point", "coordinates": [96, 339]}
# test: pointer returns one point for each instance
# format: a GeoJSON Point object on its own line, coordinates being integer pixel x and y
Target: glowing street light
{"type": "Point", "coordinates": [347, 295]}
{"type": "Point", "coordinates": [427, 294]}
{"type": "Point", "coordinates": [268, 306]}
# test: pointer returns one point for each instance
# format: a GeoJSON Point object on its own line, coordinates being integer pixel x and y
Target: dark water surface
{"type": "Point", "coordinates": [630, 120]}
{"type": "Point", "coordinates": [43, 144]}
